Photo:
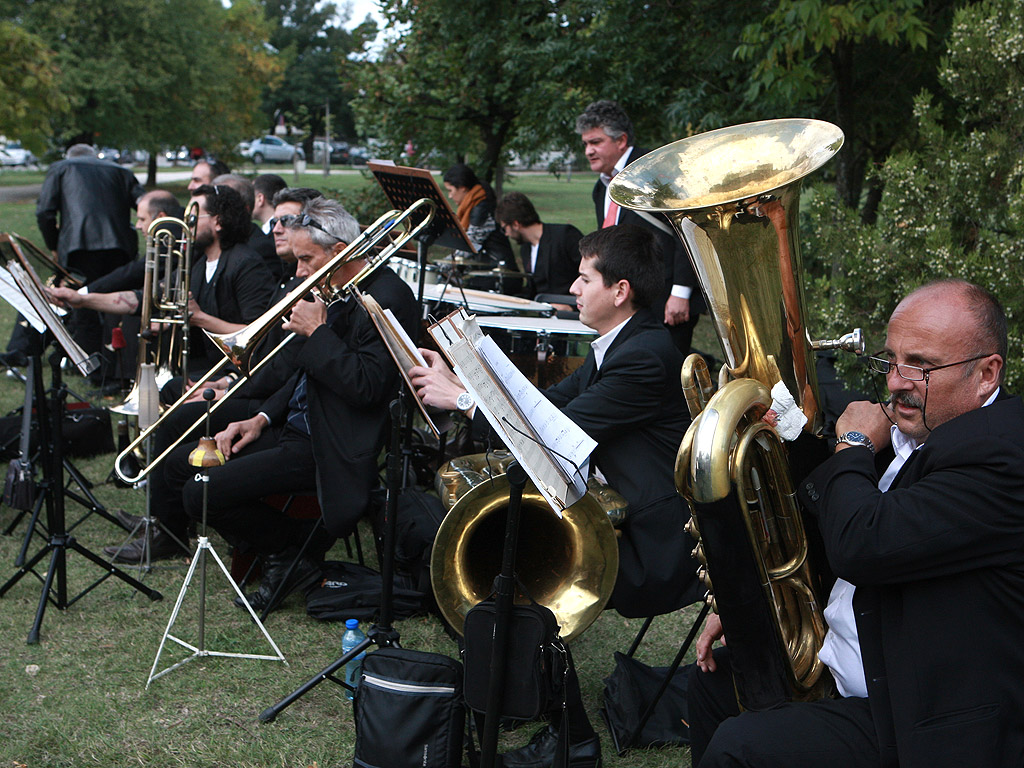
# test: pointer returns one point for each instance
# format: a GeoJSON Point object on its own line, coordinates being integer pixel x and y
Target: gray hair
{"type": "Point", "coordinates": [241, 185]}
{"type": "Point", "coordinates": [333, 219]}
{"type": "Point", "coordinates": [81, 150]}
{"type": "Point", "coordinates": [607, 115]}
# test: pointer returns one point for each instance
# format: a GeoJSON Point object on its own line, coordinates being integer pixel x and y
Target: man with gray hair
{"type": "Point", "coordinates": [609, 146]}
{"type": "Point", "coordinates": [84, 215]}
{"type": "Point", "coordinates": [323, 429]}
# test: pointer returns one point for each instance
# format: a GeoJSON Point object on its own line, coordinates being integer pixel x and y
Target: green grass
{"type": "Point", "coordinates": [87, 704]}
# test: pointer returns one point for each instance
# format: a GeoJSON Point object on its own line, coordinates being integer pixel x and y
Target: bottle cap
{"type": "Point", "coordinates": [351, 623]}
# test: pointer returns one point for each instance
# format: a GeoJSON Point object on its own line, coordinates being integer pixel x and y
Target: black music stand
{"type": "Point", "coordinates": [382, 633]}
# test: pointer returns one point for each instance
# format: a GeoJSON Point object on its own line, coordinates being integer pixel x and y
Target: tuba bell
{"type": "Point", "coordinates": [732, 196]}
{"type": "Point", "coordinates": [567, 565]}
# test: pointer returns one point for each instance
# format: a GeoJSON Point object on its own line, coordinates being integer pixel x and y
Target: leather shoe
{"type": "Point", "coordinates": [161, 546]}
{"type": "Point", "coordinates": [540, 752]}
{"type": "Point", "coordinates": [128, 521]}
{"type": "Point", "coordinates": [275, 567]}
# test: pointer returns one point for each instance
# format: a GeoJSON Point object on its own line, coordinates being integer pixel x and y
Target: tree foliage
{"type": "Point", "coordinates": [952, 206]}
{"type": "Point", "coordinates": [29, 82]}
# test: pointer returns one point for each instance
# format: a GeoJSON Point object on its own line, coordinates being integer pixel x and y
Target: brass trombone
{"type": "Point", "coordinates": [165, 289]}
{"type": "Point", "coordinates": [376, 245]}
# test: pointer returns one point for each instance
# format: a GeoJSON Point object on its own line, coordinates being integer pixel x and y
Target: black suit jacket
{"type": "Point", "coordinates": [263, 244]}
{"type": "Point", "coordinates": [938, 563]}
{"type": "Point", "coordinates": [558, 258]}
{"type": "Point", "coordinates": [351, 379]}
{"type": "Point", "coordinates": [93, 200]}
{"type": "Point", "coordinates": [678, 268]}
{"type": "Point", "coordinates": [633, 407]}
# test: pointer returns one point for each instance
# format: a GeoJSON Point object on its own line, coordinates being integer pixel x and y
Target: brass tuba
{"type": "Point", "coordinates": [568, 565]}
{"type": "Point", "coordinates": [732, 196]}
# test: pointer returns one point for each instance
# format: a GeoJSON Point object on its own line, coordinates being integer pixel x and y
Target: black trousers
{"type": "Point", "coordinates": [279, 462]}
{"type": "Point", "coordinates": [837, 733]}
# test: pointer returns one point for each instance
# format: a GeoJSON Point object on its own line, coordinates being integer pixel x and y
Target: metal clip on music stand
{"type": "Point", "coordinates": [203, 457]}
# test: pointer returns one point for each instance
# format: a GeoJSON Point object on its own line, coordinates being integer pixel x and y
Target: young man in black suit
{"type": "Point", "coordinates": [927, 541]}
{"type": "Point", "coordinates": [626, 396]}
{"type": "Point", "coordinates": [549, 252]}
{"type": "Point", "coordinates": [609, 146]}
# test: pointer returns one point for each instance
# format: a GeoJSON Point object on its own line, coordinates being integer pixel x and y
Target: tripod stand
{"type": "Point", "coordinates": [381, 634]}
{"type": "Point", "coordinates": [52, 486]}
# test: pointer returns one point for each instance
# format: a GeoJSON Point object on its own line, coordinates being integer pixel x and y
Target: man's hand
{"type": "Point", "coordinates": [196, 316]}
{"type": "Point", "coordinates": [677, 310]}
{"type": "Point", "coordinates": [239, 434]}
{"type": "Point", "coordinates": [306, 317]}
{"type": "Point", "coordinates": [436, 384]}
{"type": "Point", "coordinates": [871, 419]}
{"type": "Point", "coordinates": [712, 631]}
{"type": "Point", "coordinates": [64, 297]}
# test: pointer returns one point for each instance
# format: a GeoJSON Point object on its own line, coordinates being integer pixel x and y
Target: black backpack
{"type": "Point", "coordinates": [352, 591]}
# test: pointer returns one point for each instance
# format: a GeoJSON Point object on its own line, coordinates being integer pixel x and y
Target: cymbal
{"type": "Point", "coordinates": [499, 272]}
{"type": "Point", "coordinates": [461, 263]}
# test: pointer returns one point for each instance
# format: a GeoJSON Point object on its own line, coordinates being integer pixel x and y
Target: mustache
{"type": "Point", "coordinates": [908, 399]}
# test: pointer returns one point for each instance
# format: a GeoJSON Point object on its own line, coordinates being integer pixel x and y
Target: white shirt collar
{"type": "Point", "coordinates": [600, 345]}
{"type": "Point", "coordinates": [623, 161]}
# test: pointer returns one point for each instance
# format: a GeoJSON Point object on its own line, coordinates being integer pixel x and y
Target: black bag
{"type": "Point", "coordinates": [628, 691]}
{"type": "Point", "coordinates": [87, 432]}
{"type": "Point", "coordinates": [352, 591]}
{"type": "Point", "coordinates": [535, 662]}
{"type": "Point", "coordinates": [409, 711]}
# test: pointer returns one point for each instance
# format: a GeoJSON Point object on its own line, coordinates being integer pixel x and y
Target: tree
{"type": "Point", "coordinates": [952, 206]}
{"type": "Point", "coordinates": [29, 81]}
{"type": "Point", "coordinates": [857, 63]}
{"type": "Point", "coordinates": [146, 74]}
{"type": "Point", "coordinates": [309, 38]}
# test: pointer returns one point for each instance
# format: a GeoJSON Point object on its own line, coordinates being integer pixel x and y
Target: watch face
{"type": "Point", "coordinates": [464, 401]}
{"type": "Point", "coordinates": [857, 437]}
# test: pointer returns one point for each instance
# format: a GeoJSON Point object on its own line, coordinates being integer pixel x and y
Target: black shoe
{"type": "Point", "coordinates": [275, 567]}
{"type": "Point", "coordinates": [161, 546]}
{"type": "Point", "coordinates": [128, 521]}
{"type": "Point", "coordinates": [13, 359]}
{"type": "Point", "coordinates": [540, 752]}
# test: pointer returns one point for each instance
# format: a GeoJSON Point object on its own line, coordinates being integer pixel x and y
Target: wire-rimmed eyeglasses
{"type": "Point", "coordinates": [914, 372]}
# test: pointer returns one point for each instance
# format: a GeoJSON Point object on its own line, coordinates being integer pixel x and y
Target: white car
{"type": "Point", "coordinates": [273, 150]}
{"type": "Point", "coordinates": [14, 154]}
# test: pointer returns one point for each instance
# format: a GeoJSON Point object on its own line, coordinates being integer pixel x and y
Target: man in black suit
{"type": "Point", "coordinates": [83, 213]}
{"type": "Point", "coordinates": [927, 541]}
{"type": "Point", "coordinates": [323, 429]}
{"type": "Point", "coordinates": [626, 396]}
{"type": "Point", "coordinates": [608, 144]}
{"type": "Point", "coordinates": [549, 252]}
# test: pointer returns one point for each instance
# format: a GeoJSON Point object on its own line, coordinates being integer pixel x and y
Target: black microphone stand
{"type": "Point", "coordinates": [51, 444]}
{"type": "Point", "coordinates": [382, 633]}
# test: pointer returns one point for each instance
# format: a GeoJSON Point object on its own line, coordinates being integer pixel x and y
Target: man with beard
{"type": "Point", "coordinates": [927, 540]}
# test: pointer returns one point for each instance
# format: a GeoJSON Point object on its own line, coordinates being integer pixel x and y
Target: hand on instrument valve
{"type": "Point", "coordinates": [437, 385]}
{"type": "Point", "coordinates": [677, 310]}
{"type": "Point", "coordinates": [870, 419]}
{"type": "Point", "coordinates": [306, 317]}
{"type": "Point", "coordinates": [239, 434]}
{"type": "Point", "coordinates": [712, 631]}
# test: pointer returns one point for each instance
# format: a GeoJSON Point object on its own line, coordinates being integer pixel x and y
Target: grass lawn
{"type": "Point", "coordinates": [78, 698]}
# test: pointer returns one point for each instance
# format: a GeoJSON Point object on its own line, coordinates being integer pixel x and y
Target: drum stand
{"type": "Point", "coordinates": [52, 492]}
{"type": "Point", "coordinates": [381, 634]}
{"type": "Point", "coordinates": [204, 457]}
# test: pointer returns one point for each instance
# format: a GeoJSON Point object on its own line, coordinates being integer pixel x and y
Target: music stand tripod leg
{"type": "Point", "coordinates": [381, 634]}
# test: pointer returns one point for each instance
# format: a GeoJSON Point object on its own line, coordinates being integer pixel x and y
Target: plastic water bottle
{"type": "Point", "coordinates": [354, 667]}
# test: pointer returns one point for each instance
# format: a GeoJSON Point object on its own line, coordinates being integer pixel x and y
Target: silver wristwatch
{"type": "Point", "coordinates": [856, 438]}
{"type": "Point", "coordinates": [464, 402]}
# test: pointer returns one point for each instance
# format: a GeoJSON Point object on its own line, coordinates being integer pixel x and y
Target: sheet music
{"type": "Point", "coordinates": [86, 364]}
{"type": "Point", "coordinates": [405, 354]}
{"type": "Point", "coordinates": [532, 428]}
{"type": "Point", "coordinates": [11, 293]}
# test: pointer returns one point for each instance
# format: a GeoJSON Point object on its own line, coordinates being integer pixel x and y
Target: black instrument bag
{"type": "Point", "coordinates": [409, 711]}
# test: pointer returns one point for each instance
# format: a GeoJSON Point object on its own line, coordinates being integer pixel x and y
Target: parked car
{"type": "Point", "coordinates": [358, 155]}
{"type": "Point", "coordinates": [178, 155]}
{"type": "Point", "coordinates": [13, 153]}
{"type": "Point", "coordinates": [273, 150]}
{"type": "Point", "coordinates": [339, 152]}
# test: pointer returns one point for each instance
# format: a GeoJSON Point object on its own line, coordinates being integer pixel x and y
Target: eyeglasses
{"type": "Point", "coordinates": [304, 220]}
{"type": "Point", "coordinates": [913, 372]}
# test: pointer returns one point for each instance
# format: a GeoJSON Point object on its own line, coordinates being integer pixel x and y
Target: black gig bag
{"type": "Point", "coordinates": [409, 711]}
{"type": "Point", "coordinates": [535, 661]}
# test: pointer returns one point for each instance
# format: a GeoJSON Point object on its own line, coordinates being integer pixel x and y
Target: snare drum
{"type": "Point", "coordinates": [409, 271]}
{"type": "Point", "coordinates": [545, 349]}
